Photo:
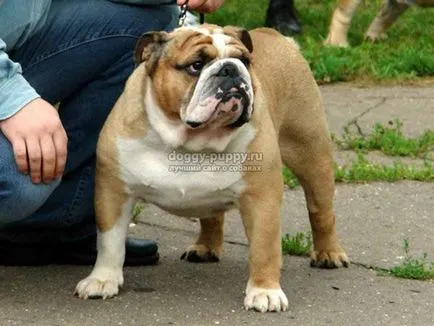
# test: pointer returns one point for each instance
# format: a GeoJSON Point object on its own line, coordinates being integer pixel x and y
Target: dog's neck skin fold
{"type": "Point", "coordinates": [172, 133]}
{"type": "Point", "coordinates": [175, 134]}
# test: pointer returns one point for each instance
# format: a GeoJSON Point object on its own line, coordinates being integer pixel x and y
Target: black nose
{"type": "Point", "coordinates": [193, 124]}
{"type": "Point", "coordinates": [228, 70]}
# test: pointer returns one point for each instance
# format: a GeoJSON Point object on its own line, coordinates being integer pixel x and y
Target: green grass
{"type": "Point", "coordinates": [138, 208]}
{"type": "Point", "coordinates": [289, 178]}
{"type": "Point", "coordinates": [296, 245]}
{"type": "Point", "coordinates": [405, 55]}
{"type": "Point", "coordinates": [414, 268]}
{"type": "Point", "coordinates": [389, 140]}
{"type": "Point", "coordinates": [362, 171]}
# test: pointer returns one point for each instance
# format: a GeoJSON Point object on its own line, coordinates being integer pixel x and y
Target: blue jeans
{"type": "Point", "coordinates": [81, 58]}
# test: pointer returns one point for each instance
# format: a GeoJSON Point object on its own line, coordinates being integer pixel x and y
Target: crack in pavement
{"type": "Point", "coordinates": [355, 122]}
{"type": "Point", "coordinates": [167, 228]}
{"type": "Point", "coordinates": [238, 243]}
{"type": "Point", "coordinates": [370, 267]}
{"type": "Point", "coordinates": [186, 232]}
{"type": "Point", "coordinates": [403, 97]}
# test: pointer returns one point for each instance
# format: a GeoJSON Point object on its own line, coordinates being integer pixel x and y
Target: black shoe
{"type": "Point", "coordinates": [138, 253]}
{"type": "Point", "coordinates": [29, 255]}
{"type": "Point", "coordinates": [281, 15]}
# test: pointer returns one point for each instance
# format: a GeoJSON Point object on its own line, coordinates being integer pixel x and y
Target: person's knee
{"type": "Point", "coordinates": [19, 197]}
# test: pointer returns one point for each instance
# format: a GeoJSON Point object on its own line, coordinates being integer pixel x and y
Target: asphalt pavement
{"type": "Point", "coordinates": [372, 221]}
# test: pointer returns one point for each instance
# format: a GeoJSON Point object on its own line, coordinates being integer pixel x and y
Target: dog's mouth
{"type": "Point", "coordinates": [223, 108]}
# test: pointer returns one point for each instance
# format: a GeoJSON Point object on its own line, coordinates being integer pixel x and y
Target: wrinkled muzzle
{"type": "Point", "coordinates": [223, 96]}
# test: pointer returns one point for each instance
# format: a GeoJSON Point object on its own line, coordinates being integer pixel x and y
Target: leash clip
{"type": "Point", "coordinates": [183, 15]}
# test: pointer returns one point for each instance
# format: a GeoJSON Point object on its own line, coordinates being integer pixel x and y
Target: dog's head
{"type": "Point", "coordinates": [200, 75]}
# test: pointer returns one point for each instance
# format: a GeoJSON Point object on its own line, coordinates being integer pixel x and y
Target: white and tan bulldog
{"type": "Point", "coordinates": [218, 94]}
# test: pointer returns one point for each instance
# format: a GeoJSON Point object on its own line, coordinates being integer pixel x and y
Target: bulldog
{"type": "Point", "coordinates": [216, 94]}
{"type": "Point", "coordinates": [388, 14]}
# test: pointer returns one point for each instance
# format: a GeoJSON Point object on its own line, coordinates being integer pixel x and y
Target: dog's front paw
{"type": "Point", "coordinates": [264, 300]}
{"type": "Point", "coordinates": [199, 253]}
{"type": "Point", "coordinates": [99, 285]}
{"type": "Point", "coordinates": [331, 258]}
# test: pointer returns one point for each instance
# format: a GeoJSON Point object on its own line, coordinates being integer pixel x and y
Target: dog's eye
{"type": "Point", "coordinates": [195, 68]}
{"type": "Point", "coordinates": [245, 61]}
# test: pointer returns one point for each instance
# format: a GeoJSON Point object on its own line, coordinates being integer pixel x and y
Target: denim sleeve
{"type": "Point", "coordinates": [15, 91]}
{"type": "Point", "coordinates": [147, 2]}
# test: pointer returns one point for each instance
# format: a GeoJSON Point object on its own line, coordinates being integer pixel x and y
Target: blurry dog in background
{"type": "Point", "coordinates": [387, 15]}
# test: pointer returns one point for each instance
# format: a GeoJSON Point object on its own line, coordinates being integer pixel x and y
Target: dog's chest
{"type": "Point", "coordinates": [182, 183]}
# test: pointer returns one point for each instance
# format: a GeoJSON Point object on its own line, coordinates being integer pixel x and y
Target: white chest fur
{"type": "Point", "coordinates": [182, 182]}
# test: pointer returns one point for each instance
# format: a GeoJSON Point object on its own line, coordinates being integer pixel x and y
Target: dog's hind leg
{"type": "Point", "coordinates": [388, 14]}
{"type": "Point", "coordinates": [341, 21]}
{"type": "Point", "coordinates": [209, 245]}
{"type": "Point", "coordinates": [310, 158]}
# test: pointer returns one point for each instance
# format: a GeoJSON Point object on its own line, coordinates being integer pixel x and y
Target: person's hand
{"type": "Point", "coordinates": [203, 6]}
{"type": "Point", "coordinates": [38, 139]}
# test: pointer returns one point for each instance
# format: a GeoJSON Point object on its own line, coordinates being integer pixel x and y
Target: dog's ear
{"type": "Point", "coordinates": [242, 34]}
{"type": "Point", "coordinates": [149, 47]}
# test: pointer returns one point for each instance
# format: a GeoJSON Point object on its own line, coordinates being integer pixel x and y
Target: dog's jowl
{"type": "Point", "coordinates": [203, 126]}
